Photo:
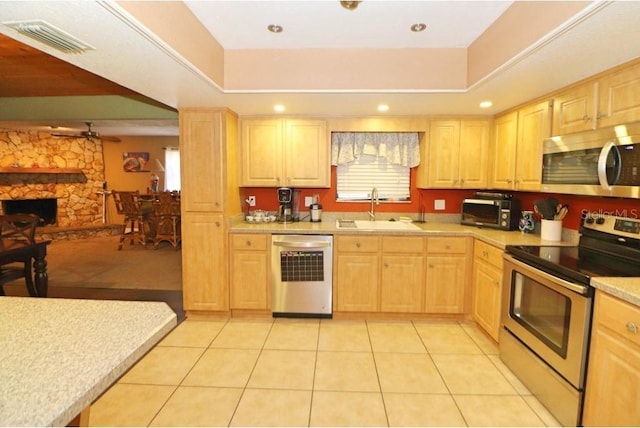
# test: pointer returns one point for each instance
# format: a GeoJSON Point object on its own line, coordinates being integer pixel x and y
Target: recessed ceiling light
{"type": "Point", "coordinates": [416, 28]}
{"type": "Point", "coordinates": [350, 5]}
{"type": "Point", "coordinates": [486, 104]}
{"type": "Point", "coordinates": [275, 28]}
{"type": "Point", "coordinates": [278, 107]}
{"type": "Point", "coordinates": [383, 107]}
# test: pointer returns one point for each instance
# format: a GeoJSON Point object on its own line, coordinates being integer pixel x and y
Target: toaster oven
{"type": "Point", "coordinates": [495, 211]}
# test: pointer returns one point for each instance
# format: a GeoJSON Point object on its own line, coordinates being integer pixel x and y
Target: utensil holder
{"type": "Point", "coordinates": [551, 230]}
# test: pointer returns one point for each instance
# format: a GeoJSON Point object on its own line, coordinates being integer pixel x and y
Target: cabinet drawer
{"type": "Point", "coordinates": [360, 244]}
{"type": "Point", "coordinates": [447, 245]}
{"type": "Point", "coordinates": [249, 242]}
{"type": "Point", "coordinates": [403, 244]}
{"type": "Point", "coordinates": [619, 316]}
{"type": "Point", "coordinates": [488, 253]}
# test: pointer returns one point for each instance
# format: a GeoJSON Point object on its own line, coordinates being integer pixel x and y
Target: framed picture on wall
{"type": "Point", "coordinates": [135, 161]}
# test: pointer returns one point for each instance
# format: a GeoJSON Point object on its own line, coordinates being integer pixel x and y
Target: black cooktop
{"type": "Point", "coordinates": [574, 263]}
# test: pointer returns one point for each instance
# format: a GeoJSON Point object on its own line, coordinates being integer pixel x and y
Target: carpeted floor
{"type": "Point", "coordinates": [97, 263]}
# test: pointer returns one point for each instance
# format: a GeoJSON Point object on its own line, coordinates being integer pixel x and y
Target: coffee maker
{"type": "Point", "coordinates": [285, 199]}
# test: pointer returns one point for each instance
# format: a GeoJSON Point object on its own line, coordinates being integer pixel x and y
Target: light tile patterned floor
{"type": "Point", "coordinates": [309, 372]}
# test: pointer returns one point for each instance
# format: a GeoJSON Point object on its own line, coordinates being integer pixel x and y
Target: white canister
{"type": "Point", "coordinates": [316, 213]}
{"type": "Point", "coordinates": [551, 230]}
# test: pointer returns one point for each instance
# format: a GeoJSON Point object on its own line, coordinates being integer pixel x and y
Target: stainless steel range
{"type": "Point", "coordinates": [547, 306]}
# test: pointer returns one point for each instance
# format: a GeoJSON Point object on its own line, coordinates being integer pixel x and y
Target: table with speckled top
{"type": "Point", "coordinates": [57, 356]}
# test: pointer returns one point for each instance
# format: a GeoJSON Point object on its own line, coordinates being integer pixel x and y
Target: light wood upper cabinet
{"type": "Point", "coordinates": [575, 110]}
{"type": "Point", "coordinates": [609, 100]}
{"type": "Point", "coordinates": [279, 152]}
{"type": "Point", "coordinates": [534, 126]}
{"type": "Point", "coordinates": [457, 154]}
{"type": "Point", "coordinates": [503, 166]}
{"type": "Point", "coordinates": [619, 97]}
{"type": "Point", "coordinates": [613, 377]}
{"type": "Point", "coordinates": [517, 154]}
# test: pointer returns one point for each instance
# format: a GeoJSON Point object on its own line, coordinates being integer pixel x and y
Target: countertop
{"type": "Point", "coordinates": [627, 289]}
{"type": "Point", "coordinates": [497, 238]}
{"type": "Point", "coordinates": [59, 355]}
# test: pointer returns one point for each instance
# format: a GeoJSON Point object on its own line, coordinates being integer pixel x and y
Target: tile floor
{"type": "Point", "coordinates": [302, 372]}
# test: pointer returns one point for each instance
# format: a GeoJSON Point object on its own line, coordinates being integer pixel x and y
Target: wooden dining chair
{"type": "Point", "coordinates": [20, 228]}
{"type": "Point", "coordinates": [166, 212]}
{"type": "Point", "coordinates": [128, 205]}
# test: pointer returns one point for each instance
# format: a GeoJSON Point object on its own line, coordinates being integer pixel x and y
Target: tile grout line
{"type": "Point", "coordinates": [375, 365]}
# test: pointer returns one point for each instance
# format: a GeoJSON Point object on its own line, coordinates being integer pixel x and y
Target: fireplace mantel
{"type": "Point", "coordinates": [20, 170]}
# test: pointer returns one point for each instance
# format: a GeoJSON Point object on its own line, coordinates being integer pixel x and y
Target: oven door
{"type": "Point", "coordinates": [550, 315]}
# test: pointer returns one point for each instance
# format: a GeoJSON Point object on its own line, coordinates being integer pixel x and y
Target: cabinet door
{"type": "Point", "coordinates": [613, 382]}
{"type": "Point", "coordinates": [261, 154]}
{"type": "Point", "coordinates": [503, 164]}
{"type": "Point", "coordinates": [202, 162]}
{"type": "Point", "coordinates": [474, 153]}
{"type": "Point", "coordinates": [446, 278]}
{"type": "Point", "coordinates": [356, 280]}
{"type": "Point", "coordinates": [249, 279]}
{"type": "Point", "coordinates": [534, 126]}
{"type": "Point", "coordinates": [401, 283]}
{"type": "Point", "coordinates": [204, 266]}
{"type": "Point", "coordinates": [619, 97]}
{"type": "Point", "coordinates": [575, 110]}
{"type": "Point", "coordinates": [307, 152]}
{"type": "Point", "coordinates": [444, 154]}
{"type": "Point", "coordinates": [486, 297]}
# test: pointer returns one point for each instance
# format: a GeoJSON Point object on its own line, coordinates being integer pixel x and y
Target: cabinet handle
{"type": "Point", "coordinates": [217, 224]}
{"type": "Point", "coordinates": [632, 328]}
{"type": "Point", "coordinates": [357, 245]}
{"type": "Point", "coordinates": [386, 265]}
{"type": "Point", "coordinates": [248, 243]}
{"type": "Point", "coordinates": [586, 118]}
{"type": "Point", "coordinates": [462, 181]}
{"type": "Point", "coordinates": [485, 254]}
{"type": "Point", "coordinates": [600, 115]}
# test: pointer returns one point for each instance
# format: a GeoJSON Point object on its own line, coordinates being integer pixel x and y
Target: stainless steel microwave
{"type": "Point", "coordinates": [604, 162]}
{"type": "Point", "coordinates": [494, 213]}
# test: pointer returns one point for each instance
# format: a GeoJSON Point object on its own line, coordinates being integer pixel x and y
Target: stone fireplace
{"type": "Point", "coordinates": [70, 171]}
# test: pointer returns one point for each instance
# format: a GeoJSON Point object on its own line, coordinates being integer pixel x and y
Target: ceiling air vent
{"type": "Point", "coordinates": [50, 36]}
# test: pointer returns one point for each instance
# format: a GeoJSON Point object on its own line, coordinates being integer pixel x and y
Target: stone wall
{"type": "Point", "coordinates": [78, 203]}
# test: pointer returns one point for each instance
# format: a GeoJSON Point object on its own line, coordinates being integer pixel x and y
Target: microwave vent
{"type": "Point", "coordinates": [49, 35]}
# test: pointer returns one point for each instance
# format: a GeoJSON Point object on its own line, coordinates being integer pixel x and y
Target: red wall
{"type": "Point", "coordinates": [266, 199]}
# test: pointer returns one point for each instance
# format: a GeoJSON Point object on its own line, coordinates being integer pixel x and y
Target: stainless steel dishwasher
{"type": "Point", "coordinates": [302, 275]}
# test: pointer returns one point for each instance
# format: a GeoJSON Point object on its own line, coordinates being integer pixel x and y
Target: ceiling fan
{"type": "Point", "coordinates": [89, 135]}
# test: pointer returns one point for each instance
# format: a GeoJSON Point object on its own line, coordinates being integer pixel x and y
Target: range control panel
{"type": "Point", "coordinates": [615, 225]}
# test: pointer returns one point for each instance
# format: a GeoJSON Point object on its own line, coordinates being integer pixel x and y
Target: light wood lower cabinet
{"type": "Point", "coordinates": [402, 274]}
{"type": "Point", "coordinates": [205, 270]}
{"type": "Point", "coordinates": [487, 289]}
{"type": "Point", "coordinates": [356, 273]}
{"type": "Point", "coordinates": [613, 377]}
{"type": "Point", "coordinates": [447, 275]}
{"type": "Point", "coordinates": [249, 271]}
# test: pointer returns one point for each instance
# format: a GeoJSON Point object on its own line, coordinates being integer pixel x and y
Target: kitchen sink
{"type": "Point", "coordinates": [365, 225]}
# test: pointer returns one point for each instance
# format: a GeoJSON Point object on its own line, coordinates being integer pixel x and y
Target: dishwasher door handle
{"type": "Point", "coordinates": [299, 244]}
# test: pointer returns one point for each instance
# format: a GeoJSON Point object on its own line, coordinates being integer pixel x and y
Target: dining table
{"type": "Point", "coordinates": [12, 251]}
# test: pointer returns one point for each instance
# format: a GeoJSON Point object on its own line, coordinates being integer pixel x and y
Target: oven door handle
{"type": "Point", "coordinates": [577, 288]}
{"type": "Point", "coordinates": [299, 244]}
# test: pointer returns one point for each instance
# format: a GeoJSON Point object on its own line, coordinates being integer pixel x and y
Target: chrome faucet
{"type": "Point", "coordinates": [374, 198]}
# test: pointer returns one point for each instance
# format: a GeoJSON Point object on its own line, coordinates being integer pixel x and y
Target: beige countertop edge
{"type": "Point", "coordinates": [497, 238]}
{"type": "Point", "coordinates": [60, 355]}
{"type": "Point", "coordinates": [627, 289]}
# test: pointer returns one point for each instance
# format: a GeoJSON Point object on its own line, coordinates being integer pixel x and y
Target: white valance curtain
{"type": "Point", "coordinates": [399, 148]}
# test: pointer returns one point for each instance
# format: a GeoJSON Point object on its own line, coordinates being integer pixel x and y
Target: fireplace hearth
{"type": "Point", "coordinates": [46, 208]}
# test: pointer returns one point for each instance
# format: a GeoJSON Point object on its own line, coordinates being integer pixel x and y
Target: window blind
{"type": "Point", "coordinates": [356, 180]}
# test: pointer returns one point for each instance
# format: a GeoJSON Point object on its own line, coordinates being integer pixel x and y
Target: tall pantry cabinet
{"type": "Point", "coordinates": [209, 161]}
